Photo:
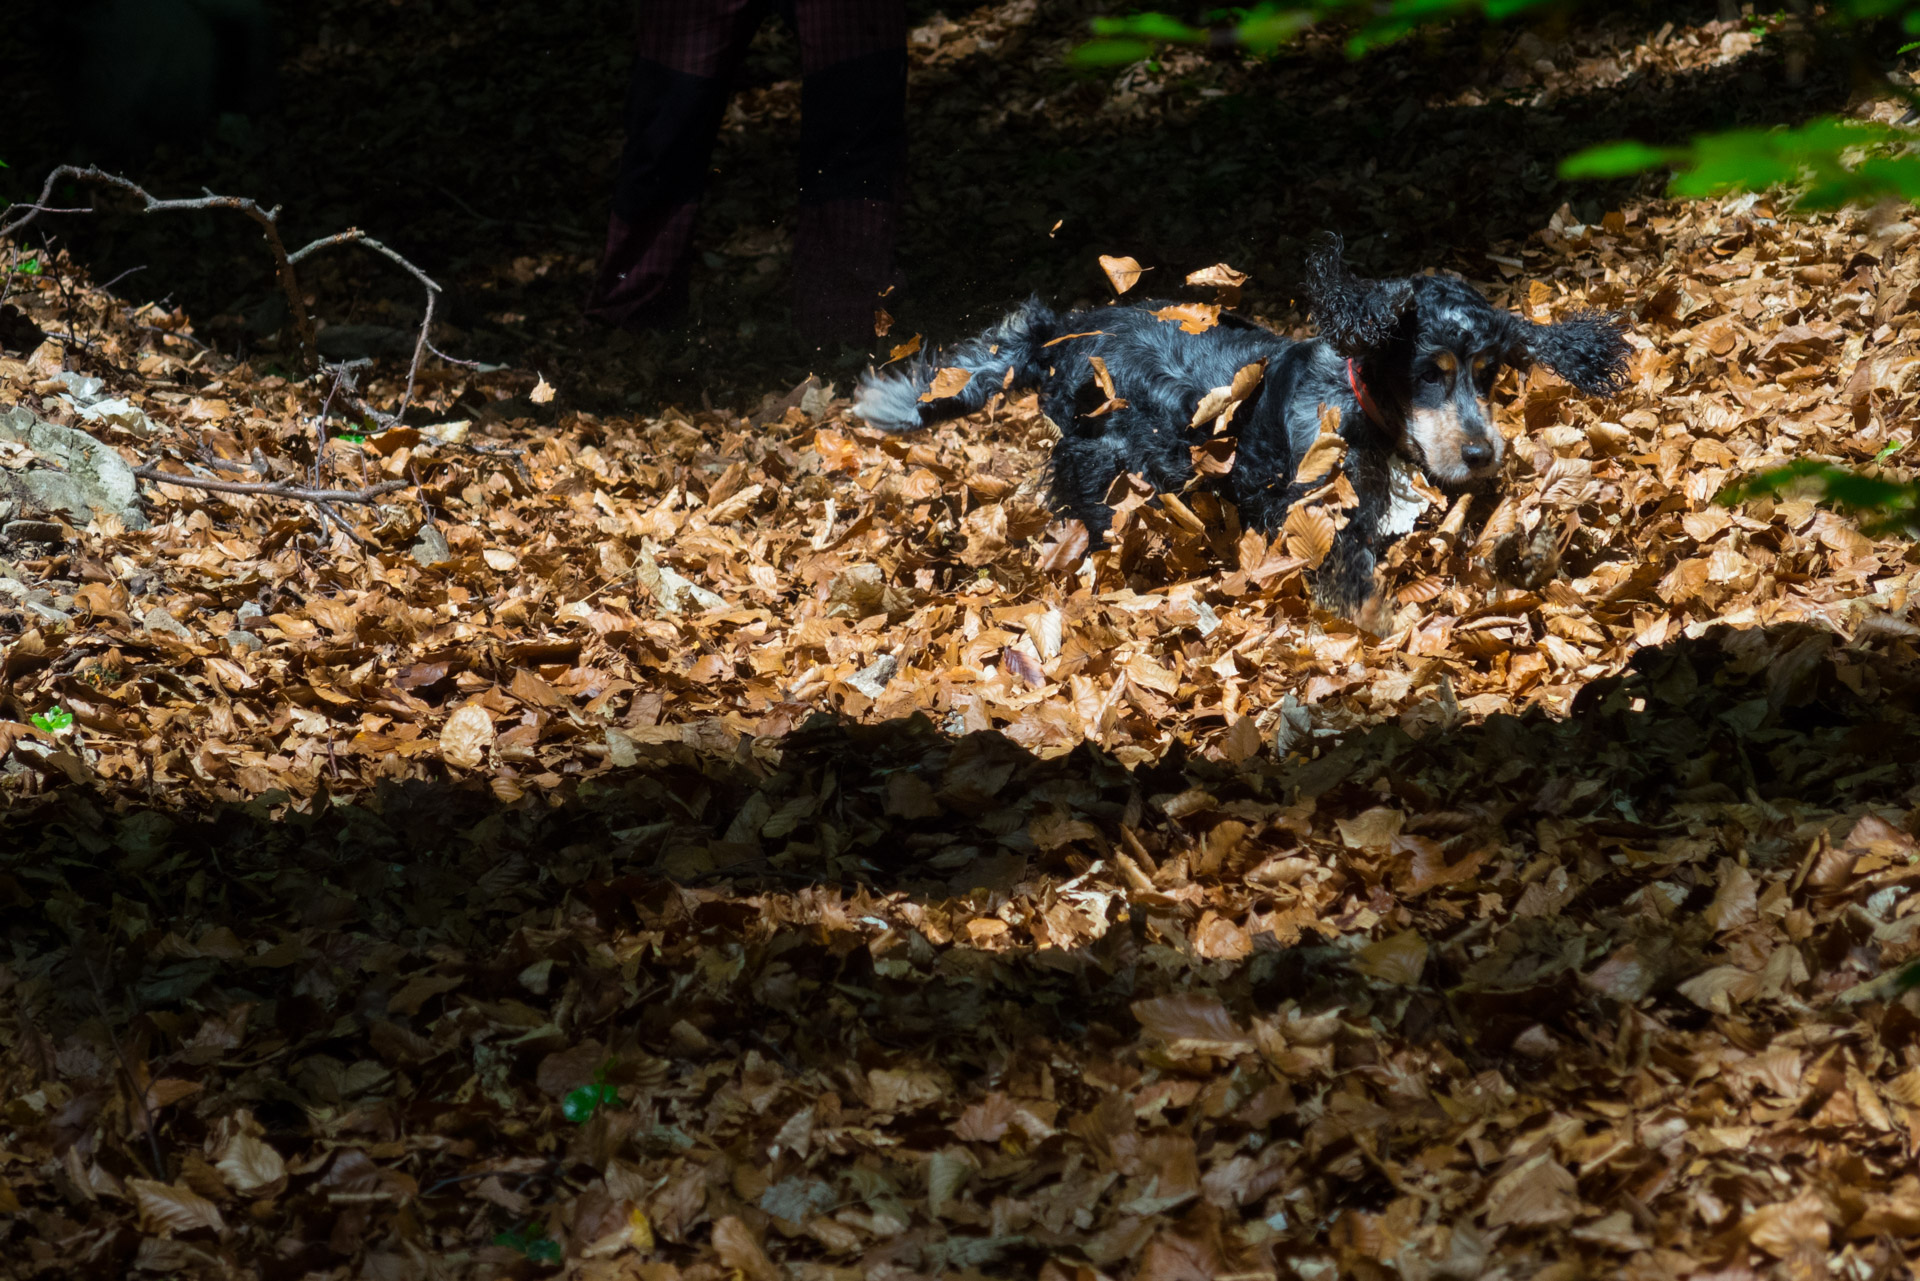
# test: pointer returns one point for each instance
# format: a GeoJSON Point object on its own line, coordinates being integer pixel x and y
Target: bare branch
{"type": "Point", "coordinates": [328, 513]}
{"type": "Point", "coordinates": [271, 488]}
{"type": "Point", "coordinates": [267, 219]}
{"type": "Point", "coordinates": [453, 360]}
{"type": "Point", "coordinates": [284, 262]}
{"type": "Point", "coordinates": [353, 235]}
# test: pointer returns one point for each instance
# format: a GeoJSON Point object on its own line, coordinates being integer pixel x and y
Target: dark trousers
{"type": "Point", "coordinates": [853, 57]}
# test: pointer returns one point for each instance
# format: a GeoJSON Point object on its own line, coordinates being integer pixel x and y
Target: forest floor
{"type": "Point", "coordinates": [700, 837]}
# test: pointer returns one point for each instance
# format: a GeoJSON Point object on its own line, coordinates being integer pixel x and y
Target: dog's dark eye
{"type": "Point", "coordinates": [1433, 374]}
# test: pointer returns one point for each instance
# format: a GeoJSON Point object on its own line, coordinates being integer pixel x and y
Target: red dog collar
{"type": "Point", "coordinates": [1361, 394]}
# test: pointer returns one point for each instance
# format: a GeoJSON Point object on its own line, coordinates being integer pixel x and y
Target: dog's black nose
{"type": "Point", "coordinates": [1476, 454]}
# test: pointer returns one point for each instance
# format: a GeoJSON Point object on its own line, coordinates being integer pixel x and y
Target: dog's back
{"type": "Point", "coordinates": [922, 392]}
{"type": "Point", "coordinates": [1407, 364]}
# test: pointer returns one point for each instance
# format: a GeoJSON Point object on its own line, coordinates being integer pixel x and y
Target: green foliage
{"type": "Point", "coordinates": [352, 437]}
{"type": "Point", "coordinates": [1908, 978]}
{"type": "Point", "coordinates": [53, 720]}
{"type": "Point", "coordinates": [532, 1242]}
{"type": "Point", "coordinates": [1849, 12]}
{"type": "Point", "coordinates": [1263, 28]}
{"type": "Point", "coordinates": [28, 266]}
{"type": "Point", "coordinates": [1835, 161]}
{"type": "Point", "coordinates": [580, 1105]}
{"type": "Point", "coordinates": [1886, 505]}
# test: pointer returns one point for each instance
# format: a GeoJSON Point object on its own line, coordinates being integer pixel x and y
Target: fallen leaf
{"type": "Point", "coordinates": [467, 736]}
{"type": "Point", "coordinates": [167, 1208]}
{"type": "Point", "coordinates": [1192, 317]}
{"type": "Point", "coordinates": [1123, 273]}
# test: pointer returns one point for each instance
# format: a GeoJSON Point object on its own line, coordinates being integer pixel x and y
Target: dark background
{"type": "Point", "coordinates": [479, 139]}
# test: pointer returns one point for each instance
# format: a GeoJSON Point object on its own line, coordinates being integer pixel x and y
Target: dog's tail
{"type": "Point", "coordinates": [927, 391]}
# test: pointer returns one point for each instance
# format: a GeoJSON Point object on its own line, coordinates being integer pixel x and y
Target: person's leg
{"type": "Point", "coordinates": [853, 55]}
{"type": "Point", "coordinates": [687, 51]}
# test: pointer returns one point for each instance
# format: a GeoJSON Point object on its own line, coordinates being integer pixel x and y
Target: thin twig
{"type": "Point", "coordinates": [122, 276]}
{"type": "Point", "coordinates": [453, 360]}
{"type": "Point", "coordinates": [353, 235]}
{"type": "Point", "coordinates": [342, 376]}
{"type": "Point", "coordinates": [328, 513]}
{"type": "Point", "coordinates": [88, 343]}
{"type": "Point", "coordinates": [271, 488]}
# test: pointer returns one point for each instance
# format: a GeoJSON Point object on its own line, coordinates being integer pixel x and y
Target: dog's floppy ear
{"type": "Point", "coordinates": [1586, 348]}
{"type": "Point", "coordinates": [1354, 315]}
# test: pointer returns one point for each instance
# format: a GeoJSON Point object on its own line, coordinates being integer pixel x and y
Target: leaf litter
{"type": "Point", "coordinates": [700, 844]}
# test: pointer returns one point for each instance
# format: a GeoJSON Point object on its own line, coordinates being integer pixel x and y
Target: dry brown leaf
{"type": "Point", "coordinates": [467, 737]}
{"type": "Point", "coordinates": [1100, 375]}
{"type": "Point", "coordinates": [1400, 959]}
{"type": "Point", "coordinates": [1322, 457]}
{"type": "Point", "coordinates": [1789, 1227]}
{"type": "Point", "coordinates": [1541, 1193]}
{"type": "Point", "coordinates": [1224, 280]}
{"type": "Point", "coordinates": [1122, 273]}
{"type": "Point", "coordinates": [1192, 317]}
{"type": "Point", "coordinates": [735, 1246]}
{"type": "Point", "coordinates": [1309, 533]}
{"type": "Point", "coordinates": [251, 1166]}
{"type": "Point", "coordinates": [950, 381]}
{"type": "Point", "coordinates": [1192, 1023]}
{"type": "Point", "coordinates": [167, 1208]}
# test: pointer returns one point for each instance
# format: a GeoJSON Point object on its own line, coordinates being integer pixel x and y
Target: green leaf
{"type": "Point", "coordinates": [1888, 505]}
{"type": "Point", "coordinates": [1832, 160]}
{"type": "Point", "coordinates": [352, 437]}
{"type": "Point", "coordinates": [532, 1242]}
{"type": "Point", "coordinates": [1111, 53]}
{"type": "Point", "coordinates": [53, 720]}
{"type": "Point", "coordinates": [580, 1105]}
{"type": "Point", "coordinates": [28, 266]}
{"type": "Point", "coordinates": [1149, 26]}
{"type": "Point", "coordinates": [1908, 978]}
{"type": "Point", "coordinates": [1616, 159]}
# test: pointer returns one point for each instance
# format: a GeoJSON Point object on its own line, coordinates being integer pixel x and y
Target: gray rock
{"type": "Point", "coordinates": [82, 476]}
{"type": "Point", "coordinates": [872, 679]}
{"type": "Point", "coordinates": [432, 548]}
{"type": "Point", "coordinates": [250, 612]}
{"type": "Point", "coordinates": [158, 619]}
{"type": "Point", "coordinates": [239, 639]}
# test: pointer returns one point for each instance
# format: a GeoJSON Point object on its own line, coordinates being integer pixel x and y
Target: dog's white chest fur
{"type": "Point", "coordinates": [1405, 502]}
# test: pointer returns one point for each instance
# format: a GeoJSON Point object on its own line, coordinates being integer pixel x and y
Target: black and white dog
{"type": "Point", "coordinates": [1407, 362]}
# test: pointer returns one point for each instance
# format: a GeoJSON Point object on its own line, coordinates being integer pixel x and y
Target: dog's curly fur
{"type": "Point", "coordinates": [1425, 348]}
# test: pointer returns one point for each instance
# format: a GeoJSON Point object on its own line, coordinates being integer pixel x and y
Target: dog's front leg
{"type": "Point", "coordinates": [1349, 583]}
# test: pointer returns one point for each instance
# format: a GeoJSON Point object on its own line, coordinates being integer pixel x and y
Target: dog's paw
{"type": "Point", "coordinates": [1528, 561]}
{"type": "Point", "coordinates": [1375, 613]}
